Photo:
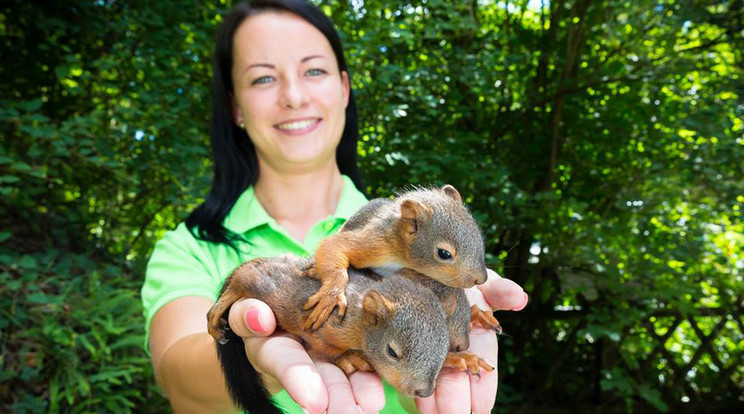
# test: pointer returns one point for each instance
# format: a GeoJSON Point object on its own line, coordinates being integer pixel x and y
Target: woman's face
{"type": "Point", "coordinates": [288, 91]}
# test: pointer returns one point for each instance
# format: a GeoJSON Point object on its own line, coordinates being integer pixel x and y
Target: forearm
{"type": "Point", "coordinates": [190, 374]}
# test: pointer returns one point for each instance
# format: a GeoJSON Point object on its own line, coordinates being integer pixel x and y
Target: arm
{"type": "Point", "coordinates": [453, 387]}
{"type": "Point", "coordinates": [184, 357]}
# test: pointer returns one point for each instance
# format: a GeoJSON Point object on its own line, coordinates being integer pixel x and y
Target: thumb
{"type": "Point", "coordinates": [503, 294]}
{"type": "Point", "coordinates": [251, 318]}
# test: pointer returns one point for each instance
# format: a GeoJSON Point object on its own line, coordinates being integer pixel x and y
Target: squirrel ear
{"type": "Point", "coordinates": [449, 303]}
{"type": "Point", "coordinates": [414, 212]}
{"type": "Point", "coordinates": [376, 308]}
{"type": "Point", "coordinates": [452, 192]}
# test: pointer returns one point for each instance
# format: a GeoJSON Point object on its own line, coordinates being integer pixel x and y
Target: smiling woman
{"type": "Point", "coordinates": [284, 136]}
{"type": "Point", "coordinates": [290, 96]}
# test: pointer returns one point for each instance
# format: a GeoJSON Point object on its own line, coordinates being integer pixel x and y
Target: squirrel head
{"type": "Point", "coordinates": [405, 336]}
{"type": "Point", "coordinates": [444, 241]}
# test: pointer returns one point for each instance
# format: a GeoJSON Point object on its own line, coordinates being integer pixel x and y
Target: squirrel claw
{"type": "Point", "coordinates": [484, 319]}
{"type": "Point", "coordinates": [311, 302]}
{"type": "Point", "coordinates": [309, 272]}
{"type": "Point", "coordinates": [324, 303]}
{"type": "Point", "coordinates": [352, 361]}
{"type": "Point", "coordinates": [467, 362]}
{"type": "Point", "coordinates": [217, 329]}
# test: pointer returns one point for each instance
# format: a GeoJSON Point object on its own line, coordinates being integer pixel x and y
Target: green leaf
{"type": "Point", "coordinates": [40, 298]}
{"type": "Point", "coordinates": [9, 179]}
{"type": "Point", "coordinates": [27, 262]}
{"type": "Point", "coordinates": [30, 106]}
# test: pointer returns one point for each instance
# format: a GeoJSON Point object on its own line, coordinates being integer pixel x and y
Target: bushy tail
{"type": "Point", "coordinates": [243, 382]}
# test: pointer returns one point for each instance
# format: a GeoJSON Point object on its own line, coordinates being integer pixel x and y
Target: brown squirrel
{"type": "Point", "coordinates": [393, 326]}
{"type": "Point", "coordinates": [426, 230]}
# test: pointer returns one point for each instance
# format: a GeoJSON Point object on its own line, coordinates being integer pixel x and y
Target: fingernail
{"type": "Point", "coordinates": [253, 319]}
{"type": "Point", "coordinates": [524, 302]}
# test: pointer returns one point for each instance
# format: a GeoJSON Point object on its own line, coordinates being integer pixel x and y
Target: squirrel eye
{"type": "Point", "coordinates": [444, 254]}
{"type": "Point", "coordinates": [391, 352]}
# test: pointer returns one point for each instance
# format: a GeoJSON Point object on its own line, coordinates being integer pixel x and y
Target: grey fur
{"type": "Point", "coordinates": [415, 326]}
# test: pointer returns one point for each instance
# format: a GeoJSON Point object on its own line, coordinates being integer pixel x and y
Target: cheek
{"type": "Point", "coordinates": [393, 377]}
{"type": "Point", "coordinates": [255, 106]}
{"type": "Point", "coordinates": [447, 274]}
{"type": "Point", "coordinates": [330, 95]}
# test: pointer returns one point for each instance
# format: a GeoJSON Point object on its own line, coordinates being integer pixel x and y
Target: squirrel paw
{"type": "Point", "coordinates": [309, 271]}
{"type": "Point", "coordinates": [351, 362]}
{"type": "Point", "coordinates": [466, 362]}
{"type": "Point", "coordinates": [484, 319]}
{"type": "Point", "coordinates": [323, 302]}
{"type": "Point", "coordinates": [218, 332]}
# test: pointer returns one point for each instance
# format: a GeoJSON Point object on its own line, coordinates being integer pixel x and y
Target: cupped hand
{"type": "Point", "coordinates": [316, 385]}
{"type": "Point", "coordinates": [458, 392]}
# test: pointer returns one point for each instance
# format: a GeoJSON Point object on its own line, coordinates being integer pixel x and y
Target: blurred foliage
{"type": "Point", "coordinates": [599, 144]}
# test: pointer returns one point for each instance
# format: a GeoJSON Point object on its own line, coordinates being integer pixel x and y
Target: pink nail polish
{"type": "Point", "coordinates": [253, 319]}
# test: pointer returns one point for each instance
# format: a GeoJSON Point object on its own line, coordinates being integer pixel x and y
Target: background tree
{"type": "Point", "coordinates": [599, 144]}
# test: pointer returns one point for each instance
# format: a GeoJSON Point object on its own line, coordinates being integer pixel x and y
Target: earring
{"type": "Point", "coordinates": [242, 125]}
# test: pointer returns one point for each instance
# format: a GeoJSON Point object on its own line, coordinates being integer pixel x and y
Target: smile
{"type": "Point", "coordinates": [298, 125]}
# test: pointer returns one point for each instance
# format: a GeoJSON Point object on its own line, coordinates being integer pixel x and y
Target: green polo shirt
{"type": "Point", "coordinates": [181, 265]}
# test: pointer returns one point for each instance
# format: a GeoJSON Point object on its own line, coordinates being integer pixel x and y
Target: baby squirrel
{"type": "Point", "coordinates": [393, 326]}
{"type": "Point", "coordinates": [426, 230]}
{"type": "Point", "coordinates": [412, 227]}
{"type": "Point", "coordinates": [459, 319]}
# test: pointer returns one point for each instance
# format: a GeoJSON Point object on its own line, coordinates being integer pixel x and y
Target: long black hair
{"type": "Point", "coordinates": [235, 162]}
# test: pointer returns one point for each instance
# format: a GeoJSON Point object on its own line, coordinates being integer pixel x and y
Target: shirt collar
{"type": "Point", "coordinates": [248, 213]}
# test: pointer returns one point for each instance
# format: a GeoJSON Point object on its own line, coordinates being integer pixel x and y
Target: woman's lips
{"type": "Point", "coordinates": [298, 127]}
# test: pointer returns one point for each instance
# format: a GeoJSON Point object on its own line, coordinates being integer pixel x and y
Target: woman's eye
{"type": "Point", "coordinates": [262, 80]}
{"type": "Point", "coordinates": [444, 254]}
{"type": "Point", "coordinates": [391, 352]}
{"type": "Point", "coordinates": [315, 72]}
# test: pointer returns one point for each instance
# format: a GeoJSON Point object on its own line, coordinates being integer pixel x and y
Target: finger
{"type": "Point", "coordinates": [340, 396]}
{"type": "Point", "coordinates": [427, 405]}
{"type": "Point", "coordinates": [452, 392]}
{"type": "Point", "coordinates": [368, 391]}
{"type": "Point", "coordinates": [251, 317]}
{"type": "Point", "coordinates": [475, 297]}
{"type": "Point", "coordinates": [284, 363]}
{"type": "Point", "coordinates": [503, 294]}
{"type": "Point", "coordinates": [484, 343]}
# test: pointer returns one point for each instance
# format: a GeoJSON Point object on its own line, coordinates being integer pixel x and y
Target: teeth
{"type": "Point", "coordinates": [296, 125]}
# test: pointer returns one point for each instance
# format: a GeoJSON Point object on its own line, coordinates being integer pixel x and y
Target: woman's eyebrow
{"type": "Point", "coordinates": [260, 65]}
{"type": "Point", "coordinates": [270, 66]}
{"type": "Point", "coordinates": [306, 58]}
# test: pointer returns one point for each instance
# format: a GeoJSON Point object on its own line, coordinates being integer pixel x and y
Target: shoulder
{"type": "Point", "coordinates": [177, 242]}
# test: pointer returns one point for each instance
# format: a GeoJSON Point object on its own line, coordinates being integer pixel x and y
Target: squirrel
{"type": "Point", "coordinates": [426, 230]}
{"type": "Point", "coordinates": [392, 326]}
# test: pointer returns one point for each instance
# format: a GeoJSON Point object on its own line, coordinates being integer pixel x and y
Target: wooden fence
{"type": "Point", "coordinates": [691, 362]}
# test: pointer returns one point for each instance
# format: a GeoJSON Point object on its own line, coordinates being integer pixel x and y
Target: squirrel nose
{"type": "Point", "coordinates": [423, 393]}
{"type": "Point", "coordinates": [481, 277]}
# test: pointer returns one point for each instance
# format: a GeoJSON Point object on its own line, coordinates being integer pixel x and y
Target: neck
{"type": "Point", "coordinates": [299, 200]}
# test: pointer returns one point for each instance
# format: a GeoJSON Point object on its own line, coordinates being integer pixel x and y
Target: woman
{"type": "Point", "coordinates": [284, 140]}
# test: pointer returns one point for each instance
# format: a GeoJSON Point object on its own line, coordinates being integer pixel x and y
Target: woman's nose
{"type": "Point", "coordinates": [293, 95]}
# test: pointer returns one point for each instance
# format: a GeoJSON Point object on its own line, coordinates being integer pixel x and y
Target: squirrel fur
{"type": "Point", "coordinates": [393, 326]}
{"type": "Point", "coordinates": [427, 230]}
{"type": "Point", "coordinates": [425, 235]}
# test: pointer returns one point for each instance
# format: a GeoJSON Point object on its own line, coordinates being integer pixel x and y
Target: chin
{"type": "Point", "coordinates": [309, 156]}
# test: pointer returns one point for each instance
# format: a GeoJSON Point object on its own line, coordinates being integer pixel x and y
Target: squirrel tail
{"type": "Point", "coordinates": [243, 382]}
